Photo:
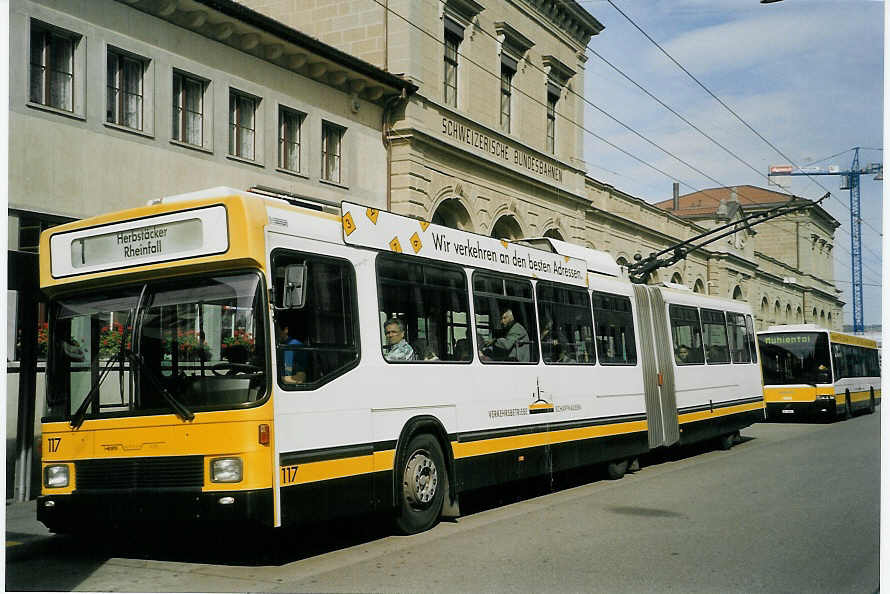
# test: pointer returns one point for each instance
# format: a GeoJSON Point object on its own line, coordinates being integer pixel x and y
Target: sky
{"type": "Point", "coordinates": [806, 75]}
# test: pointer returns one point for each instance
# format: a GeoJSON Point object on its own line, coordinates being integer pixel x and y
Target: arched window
{"type": "Point", "coordinates": [822, 317]}
{"type": "Point", "coordinates": [788, 313]}
{"type": "Point", "coordinates": [799, 317]}
{"type": "Point", "coordinates": [699, 286]}
{"type": "Point", "coordinates": [815, 315]}
{"type": "Point", "coordinates": [553, 234]}
{"type": "Point", "coordinates": [451, 213]}
{"type": "Point", "coordinates": [677, 278]}
{"type": "Point", "coordinates": [507, 227]}
{"type": "Point", "coordinates": [737, 293]}
{"type": "Point", "coordinates": [777, 312]}
{"type": "Point", "coordinates": [829, 319]}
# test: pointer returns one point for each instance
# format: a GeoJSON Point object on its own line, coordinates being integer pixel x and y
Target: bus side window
{"type": "Point", "coordinates": [714, 330]}
{"type": "Point", "coordinates": [687, 337]}
{"type": "Point", "coordinates": [566, 324]}
{"type": "Point", "coordinates": [738, 338]}
{"type": "Point", "coordinates": [319, 341]}
{"type": "Point", "coordinates": [506, 331]}
{"type": "Point", "coordinates": [615, 342]}
{"type": "Point", "coordinates": [750, 338]}
{"type": "Point", "coordinates": [430, 303]}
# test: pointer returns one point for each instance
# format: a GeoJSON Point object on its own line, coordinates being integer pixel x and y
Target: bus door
{"type": "Point", "coordinates": [658, 373]}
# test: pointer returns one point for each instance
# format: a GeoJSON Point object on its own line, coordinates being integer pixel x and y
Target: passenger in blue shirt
{"type": "Point", "coordinates": [293, 363]}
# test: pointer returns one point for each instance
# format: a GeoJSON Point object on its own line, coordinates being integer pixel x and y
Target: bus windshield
{"type": "Point", "coordinates": [795, 358]}
{"type": "Point", "coordinates": [192, 344]}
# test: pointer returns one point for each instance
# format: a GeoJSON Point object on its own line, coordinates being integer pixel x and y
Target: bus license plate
{"type": "Point", "coordinates": [787, 411]}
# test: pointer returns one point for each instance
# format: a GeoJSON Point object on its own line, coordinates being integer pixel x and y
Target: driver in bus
{"type": "Point", "coordinates": [293, 366]}
{"type": "Point", "coordinates": [397, 348]}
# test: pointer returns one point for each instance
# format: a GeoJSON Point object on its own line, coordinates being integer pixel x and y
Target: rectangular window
{"type": "Point", "coordinates": [738, 338]}
{"type": "Point", "coordinates": [552, 98]}
{"type": "Point", "coordinates": [319, 341]}
{"type": "Point", "coordinates": [424, 311]}
{"type": "Point", "coordinates": [750, 337]}
{"type": "Point", "coordinates": [566, 325]}
{"type": "Point", "coordinates": [506, 95]}
{"type": "Point", "coordinates": [687, 338]}
{"type": "Point", "coordinates": [188, 109]}
{"type": "Point", "coordinates": [52, 69]}
{"type": "Point", "coordinates": [331, 147]}
{"type": "Point", "coordinates": [290, 125]}
{"type": "Point", "coordinates": [452, 41]}
{"type": "Point", "coordinates": [615, 342]}
{"type": "Point", "coordinates": [242, 125]}
{"type": "Point", "coordinates": [505, 319]}
{"type": "Point", "coordinates": [714, 330]}
{"type": "Point", "coordinates": [124, 90]}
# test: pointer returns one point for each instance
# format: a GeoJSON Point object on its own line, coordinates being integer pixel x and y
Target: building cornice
{"type": "Point", "coordinates": [248, 31]}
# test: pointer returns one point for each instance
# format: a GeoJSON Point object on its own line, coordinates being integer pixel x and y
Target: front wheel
{"type": "Point", "coordinates": [725, 441]}
{"type": "Point", "coordinates": [421, 481]}
{"type": "Point", "coordinates": [616, 469]}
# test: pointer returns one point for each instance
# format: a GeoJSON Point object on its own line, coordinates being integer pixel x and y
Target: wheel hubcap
{"type": "Point", "coordinates": [421, 479]}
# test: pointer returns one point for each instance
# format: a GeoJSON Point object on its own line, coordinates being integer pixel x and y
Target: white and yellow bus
{"type": "Point", "coordinates": [228, 356]}
{"type": "Point", "coordinates": [809, 371]}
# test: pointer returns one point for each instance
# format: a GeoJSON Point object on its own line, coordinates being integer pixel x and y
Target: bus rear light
{"type": "Point", "coordinates": [264, 434]}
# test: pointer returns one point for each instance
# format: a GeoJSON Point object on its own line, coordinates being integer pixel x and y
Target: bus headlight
{"type": "Point", "coordinates": [226, 470]}
{"type": "Point", "coordinates": [55, 477]}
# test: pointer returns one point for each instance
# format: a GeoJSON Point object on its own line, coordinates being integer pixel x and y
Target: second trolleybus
{"type": "Point", "coordinates": [228, 356]}
{"type": "Point", "coordinates": [813, 372]}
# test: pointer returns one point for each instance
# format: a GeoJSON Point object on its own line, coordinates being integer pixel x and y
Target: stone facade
{"type": "Point", "coordinates": [453, 161]}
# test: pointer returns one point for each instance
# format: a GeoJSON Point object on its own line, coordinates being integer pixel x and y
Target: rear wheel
{"type": "Point", "coordinates": [724, 442]}
{"type": "Point", "coordinates": [421, 478]}
{"type": "Point", "coordinates": [616, 469]}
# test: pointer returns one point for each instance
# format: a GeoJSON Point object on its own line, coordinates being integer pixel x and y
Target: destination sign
{"type": "Point", "coordinates": [383, 230]}
{"type": "Point", "coordinates": [789, 338]}
{"type": "Point", "coordinates": [174, 236]}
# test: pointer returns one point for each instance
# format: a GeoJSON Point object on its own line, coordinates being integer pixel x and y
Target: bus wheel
{"type": "Point", "coordinates": [616, 469]}
{"type": "Point", "coordinates": [422, 480]}
{"type": "Point", "coordinates": [871, 402]}
{"type": "Point", "coordinates": [724, 442]}
{"type": "Point", "coordinates": [848, 414]}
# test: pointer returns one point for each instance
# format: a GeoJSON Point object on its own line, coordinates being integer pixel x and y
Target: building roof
{"type": "Point", "coordinates": [706, 202]}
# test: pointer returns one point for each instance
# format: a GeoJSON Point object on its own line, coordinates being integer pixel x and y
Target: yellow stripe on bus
{"type": "Point", "coordinates": [720, 412]}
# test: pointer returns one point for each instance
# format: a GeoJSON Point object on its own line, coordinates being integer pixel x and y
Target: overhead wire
{"type": "Point", "coordinates": [580, 126]}
{"type": "Point", "coordinates": [725, 106]}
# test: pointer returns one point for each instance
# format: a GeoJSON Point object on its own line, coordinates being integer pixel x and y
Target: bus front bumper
{"type": "Point", "coordinates": [823, 406]}
{"type": "Point", "coordinates": [92, 510]}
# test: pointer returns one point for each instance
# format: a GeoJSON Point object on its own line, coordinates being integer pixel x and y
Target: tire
{"type": "Point", "coordinates": [848, 412]}
{"type": "Point", "coordinates": [421, 485]}
{"type": "Point", "coordinates": [871, 402]}
{"type": "Point", "coordinates": [616, 469]}
{"type": "Point", "coordinates": [724, 442]}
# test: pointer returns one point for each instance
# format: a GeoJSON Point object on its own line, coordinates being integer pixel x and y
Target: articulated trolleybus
{"type": "Point", "coordinates": [809, 371]}
{"type": "Point", "coordinates": [229, 356]}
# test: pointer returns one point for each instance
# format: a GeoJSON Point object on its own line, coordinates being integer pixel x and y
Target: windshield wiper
{"type": "Point", "coordinates": [81, 413]}
{"type": "Point", "coordinates": [178, 407]}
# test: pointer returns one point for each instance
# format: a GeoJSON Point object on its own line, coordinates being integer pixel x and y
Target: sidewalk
{"type": "Point", "coordinates": [22, 527]}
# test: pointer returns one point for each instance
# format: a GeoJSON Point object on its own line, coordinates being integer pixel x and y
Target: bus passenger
{"type": "Point", "coordinates": [462, 350]}
{"type": "Point", "coordinates": [514, 345]}
{"type": "Point", "coordinates": [294, 363]}
{"type": "Point", "coordinates": [423, 351]}
{"type": "Point", "coordinates": [397, 348]}
{"type": "Point", "coordinates": [682, 354]}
